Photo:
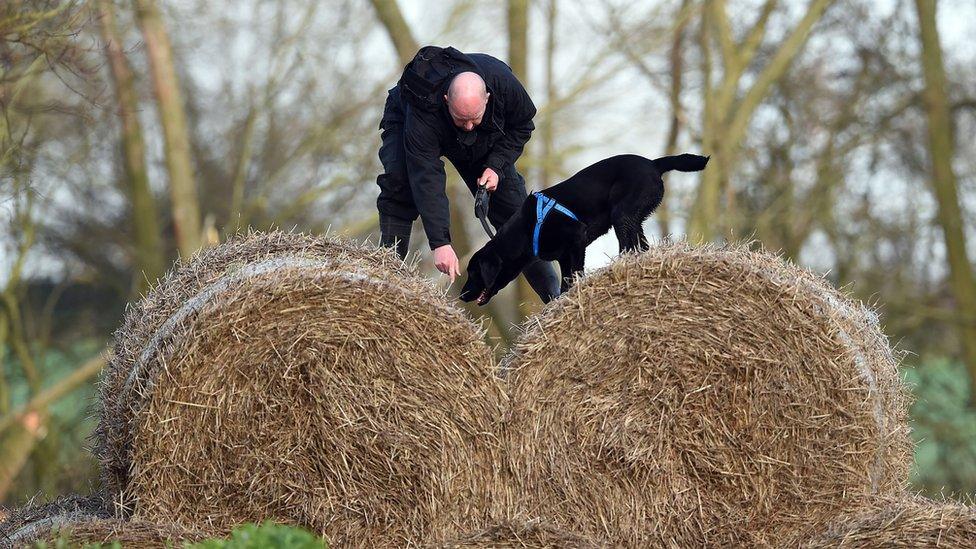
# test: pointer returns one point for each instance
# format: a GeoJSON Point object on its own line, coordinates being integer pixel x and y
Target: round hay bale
{"type": "Point", "coordinates": [907, 522]}
{"type": "Point", "coordinates": [702, 396]}
{"type": "Point", "coordinates": [338, 395]}
{"type": "Point", "coordinates": [143, 319]}
{"type": "Point", "coordinates": [515, 535]}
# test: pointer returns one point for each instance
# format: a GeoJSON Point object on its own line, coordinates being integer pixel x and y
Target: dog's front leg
{"type": "Point", "coordinates": [565, 272]}
{"type": "Point", "coordinates": [571, 264]}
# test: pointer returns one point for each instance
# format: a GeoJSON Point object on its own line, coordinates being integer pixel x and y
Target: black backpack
{"type": "Point", "coordinates": [424, 76]}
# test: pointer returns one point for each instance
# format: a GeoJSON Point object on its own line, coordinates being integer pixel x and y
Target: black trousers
{"type": "Point", "coordinates": [398, 212]}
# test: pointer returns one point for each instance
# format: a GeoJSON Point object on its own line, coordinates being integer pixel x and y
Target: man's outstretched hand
{"type": "Point", "coordinates": [446, 260]}
{"type": "Point", "coordinates": [489, 179]}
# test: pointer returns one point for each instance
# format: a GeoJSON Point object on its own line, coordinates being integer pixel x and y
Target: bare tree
{"type": "Point", "coordinates": [38, 54]}
{"type": "Point", "coordinates": [518, 38]}
{"type": "Point", "coordinates": [518, 54]}
{"type": "Point", "coordinates": [183, 188]}
{"type": "Point", "coordinates": [388, 12]}
{"type": "Point", "coordinates": [149, 252]}
{"type": "Point", "coordinates": [729, 104]}
{"type": "Point", "coordinates": [36, 39]}
{"type": "Point", "coordinates": [676, 60]}
{"type": "Point", "coordinates": [944, 184]}
{"type": "Point", "coordinates": [545, 132]}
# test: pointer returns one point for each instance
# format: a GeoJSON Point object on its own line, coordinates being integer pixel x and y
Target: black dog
{"type": "Point", "coordinates": [561, 221]}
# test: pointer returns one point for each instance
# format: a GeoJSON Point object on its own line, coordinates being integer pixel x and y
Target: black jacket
{"type": "Point", "coordinates": [496, 143]}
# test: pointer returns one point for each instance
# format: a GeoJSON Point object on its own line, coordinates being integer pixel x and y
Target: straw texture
{"type": "Point", "coordinates": [31, 522]}
{"type": "Point", "coordinates": [906, 522]}
{"type": "Point", "coordinates": [78, 532]}
{"type": "Point", "coordinates": [516, 535]}
{"type": "Point", "coordinates": [702, 396]}
{"type": "Point", "coordinates": [334, 390]}
{"type": "Point", "coordinates": [144, 318]}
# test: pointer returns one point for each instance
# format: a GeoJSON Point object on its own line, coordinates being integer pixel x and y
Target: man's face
{"type": "Point", "coordinates": [467, 115]}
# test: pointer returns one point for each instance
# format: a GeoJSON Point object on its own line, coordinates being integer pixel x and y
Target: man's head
{"type": "Point", "coordinates": [467, 99]}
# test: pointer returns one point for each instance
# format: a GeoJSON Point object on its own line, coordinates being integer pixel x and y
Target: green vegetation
{"type": "Point", "coordinates": [252, 536]}
{"type": "Point", "coordinates": [944, 429]}
{"type": "Point", "coordinates": [61, 462]}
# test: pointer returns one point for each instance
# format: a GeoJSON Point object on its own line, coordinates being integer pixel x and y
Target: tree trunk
{"type": "Point", "coordinates": [4, 388]}
{"type": "Point", "coordinates": [944, 183]}
{"type": "Point", "coordinates": [183, 190]}
{"type": "Point", "coordinates": [149, 255]}
{"type": "Point", "coordinates": [700, 222]}
{"type": "Point", "coordinates": [546, 135]}
{"type": "Point", "coordinates": [677, 69]}
{"type": "Point", "coordinates": [390, 15]}
{"type": "Point", "coordinates": [236, 219]}
{"type": "Point", "coordinates": [518, 28]}
{"type": "Point", "coordinates": [17, 444]}
{"type": "Point", "coordinates": [10, 306]}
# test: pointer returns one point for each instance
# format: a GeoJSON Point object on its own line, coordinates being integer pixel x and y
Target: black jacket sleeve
{"type": "Point", "coordinates": [427, 178]}
{"type": "Point", "coordinates": [518, 113]}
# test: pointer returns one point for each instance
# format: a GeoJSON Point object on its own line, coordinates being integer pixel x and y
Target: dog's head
{"type": "Point", "coordinates": [483, 270]}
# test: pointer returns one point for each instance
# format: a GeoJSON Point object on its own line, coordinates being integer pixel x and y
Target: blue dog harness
{"type": "Point", "coordinates": [544, 205]}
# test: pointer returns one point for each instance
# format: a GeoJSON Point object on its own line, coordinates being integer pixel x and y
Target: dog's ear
{"type": "Point", "coordinates": [490, 266]}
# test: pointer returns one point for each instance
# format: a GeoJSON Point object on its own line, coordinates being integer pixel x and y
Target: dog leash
{"type": "Point", "coordinates": [481, 209]}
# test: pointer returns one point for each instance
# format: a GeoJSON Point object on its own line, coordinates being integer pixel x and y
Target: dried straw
{"type": "Point", "coordinates": [322, 390]}
{"type": "Point", "coordinates": [31, 522]}
{"type": "Point", "coordinates": [905, 522]}
{"type": "Point", "coordinates": [144, 318]}
{"type": "Point", "coordinates": [128, 534]}
{"type": "Point", "coordinates": [702, 396]}
{"type": "Point", "coordinates": [516, 535]}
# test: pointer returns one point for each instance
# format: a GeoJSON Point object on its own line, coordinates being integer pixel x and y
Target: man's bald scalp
{"type": "Point", "coordinates": [466, 98]}
{"type": "Point", "coordinates": [467, 85]}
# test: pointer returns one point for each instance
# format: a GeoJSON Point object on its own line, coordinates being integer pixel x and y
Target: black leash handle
{"type": "Point", "coordinates": [481, 209]}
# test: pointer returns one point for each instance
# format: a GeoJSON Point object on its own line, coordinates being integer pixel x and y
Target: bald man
{"type": "Point", "coordinates": [479, 118]}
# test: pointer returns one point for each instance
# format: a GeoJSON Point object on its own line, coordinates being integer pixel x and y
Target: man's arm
{"type": "Point", "coordinates": [425, 171]}
{"type": "Point", "coordinates": [519, 112]}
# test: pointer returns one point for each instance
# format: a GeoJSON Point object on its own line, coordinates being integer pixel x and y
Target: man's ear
{"type": "Point", "coordinates": [490, 267]}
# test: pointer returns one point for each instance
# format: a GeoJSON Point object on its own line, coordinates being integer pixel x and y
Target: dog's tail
{"type": "Point", "coordinates": [682, 163]}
